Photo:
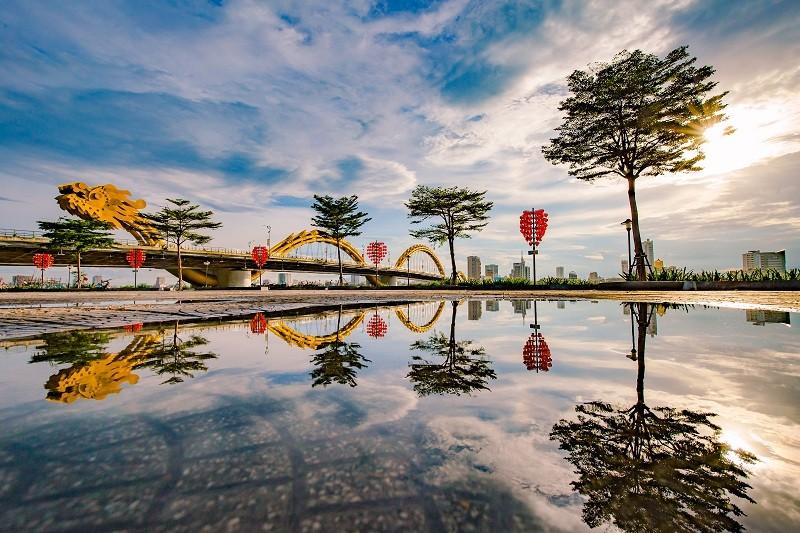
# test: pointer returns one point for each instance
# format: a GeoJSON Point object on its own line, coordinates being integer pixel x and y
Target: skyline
{"type": "Point", "coordinates": [250, 108]}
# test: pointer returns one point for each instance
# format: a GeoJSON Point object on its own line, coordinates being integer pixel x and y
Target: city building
{"type": "Point", "coordinates": [161, 283]}
{"type": "Point", "coordinates": [573, 274]}
{"type": "Point", "coordinates": [520, 306]}
{"type": "Point", "coordinates": [492, 305]}
{"type": "Point", "coordinates": [561, 304]}
{"type": "Point", "coordinates": [519, 270]}
{"type": "Point", "coordinates": [284, 278]}
{"type": "Point", "coordinates": [625, 266]}
{"type": "Point", "coordinates": [648, 251]}
{"type": "Point", "coordinates": [756, 259]}
{"type": "Point", "coordinates": [473, 267]}
{"type": "Point", "coordinates": [492, 272]}
{"type": "Point", "coordinates": [760, 317]}
{"type": "Point", "coordinates": [593, 277]}
{"type": "Point", "coordinates": [559, 272]}
{"type": "Point", "coordinates": [474, 310]}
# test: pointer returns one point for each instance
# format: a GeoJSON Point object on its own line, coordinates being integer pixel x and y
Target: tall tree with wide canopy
{"type": "Point", "coordinates": [461, 367]}
{"type": "Point", "coordinates": [337, 361]}
{"type": "Point", "coordinates": [340, 218]}
{"type": "Point", "coordinates": [460, 210]}
{"type": "Point", "coordinates": [639, 115]}
{"type": "Point", "coordinates": [182, 224]}
{"type": "Point", "coordinates": [177, 357]}
{"type": "Point", "coordinates": [77, 235]}
{"type": "Point", "coordinates": [653, 469]}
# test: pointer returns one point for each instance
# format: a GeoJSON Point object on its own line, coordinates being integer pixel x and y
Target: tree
{"type": "Point", "coordinates": [70, 347]}
{"type": "Point", "coordinates": [77, 235]}
{"type": "Point", "coordinates": [181, 224]}
{"type": "Point", "coordinates": [639, 115]}
{"type": "Point", "coordinates": [337, 361]}
{"type": "Point", "coordinates": [463, 369]}
{"type": "Point", "coordinates": [340, 218]}
{"type": "Point", "coordinates": [461, 211]}
{"type": "Point", "coordinates": [177, 357]}
{"type": "Point", "coordinates": [659, 469]}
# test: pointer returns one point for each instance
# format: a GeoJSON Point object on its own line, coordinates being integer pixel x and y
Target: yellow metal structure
{"type": "Point", "coordinates": [414, 327]}
{"type": "Point", "coordinates": [293, 337]}
{"type": "Point", "coordinates": [296, 240]}
{"type": "Point", "coordinates": [107, 203]}
{"type": "Point", "coordinates": [97, 379]}
{"type": "Point", "coordinates": [420, 248]}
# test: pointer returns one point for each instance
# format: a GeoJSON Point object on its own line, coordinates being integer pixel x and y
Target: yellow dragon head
{"type": "Point", "coordinates": [106, 203]}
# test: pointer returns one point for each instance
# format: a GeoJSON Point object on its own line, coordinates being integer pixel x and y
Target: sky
{"type": "Point", "coordinates": [249, 108]}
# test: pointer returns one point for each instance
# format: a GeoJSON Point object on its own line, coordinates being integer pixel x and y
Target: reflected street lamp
{"type": "Point", "coordinates": [205, 281]}
{"type": "Point", "coordinates": [628, 223]}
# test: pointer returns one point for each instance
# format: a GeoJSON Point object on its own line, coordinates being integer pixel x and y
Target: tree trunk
{"type": "Point", "coordinates": [452, 345]}
{"type": "Point", "coordinates": [339, 257]}
{"type": "Point", "coordinates": [180, 269]}
{"type": "Point", "coordinates": [641, 272]}
{"type": "Point", "coordinates": [79, 281]}
{"type": "Point", "coordinates": [642, 324]}
{"type": "Point", "coordinates": [454, 277]}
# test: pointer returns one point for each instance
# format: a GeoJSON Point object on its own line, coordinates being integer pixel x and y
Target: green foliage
{"type": "Point", "coordinates": [337, 362]}
{"type": "Point", "coordinates": [180, 224]}
{"type": "Point", "coordinates": [71, 347]}
{"type": "Point", "coordinates": [76, 234]}
{"type": "Point", "coordinates": [637, 115]}
{"type": "Point", "coordinates": [176, 357]}
{"type": "Point", "coordinates": [340, 218]}
{"type": "Point", "coordinates": [674, 274]}
{"type": "Point", "coordinates": [455, 212]}
{"type": "Point", "coordinates": [551, 280]}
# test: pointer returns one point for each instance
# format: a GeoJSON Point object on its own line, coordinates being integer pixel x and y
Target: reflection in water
{"type": "Point", "coordinates": [464, 368]}
{"type": "Point", "coordinates": [337, 361]}
{"type": "Point", "coordinates": [376, 326]}
{"type": "Point", "coordinates": [72, 347]}
{"type": "Point", "coordinates": [176, 357]}
{"type": "Point", "coordinates": [659, 469]}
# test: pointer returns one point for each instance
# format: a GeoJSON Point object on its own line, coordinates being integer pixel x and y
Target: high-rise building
{"type": "Point", "coordinates": [519, 270]}
{"type": "Point", "coordinates": [473, 267]}
{"type": "Point", "coordinates": [559, 272]}
{"type": "Point", "coordinates": [573, 274]}
{"type": "Point", "coordinates": [284, 278]}
{"type": "Point", "coordinates": [492, 272]}
{"type": "Point", "coordinates": [520, 306]}
{"type": "Point", "coordinates": [492, 305]}
{"type": "Point", "coordinates": [161, 283]}
{"type": "Point", "coordinates": [474, 310]}
{"type": "Point", "coordinates": [593, 277]}
{"type": "Point", "coordinates": [648, 251]}
{"type": "Point", "coordinates": [759, 317]}
{"type": "Point", "coordinates": [756, 259]}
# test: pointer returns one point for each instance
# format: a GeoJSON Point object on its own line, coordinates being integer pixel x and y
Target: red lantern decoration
{"type": "Point", "coordinates": [43, 262]}
{"type": "Point", "coordinates": [376, 327]}
{"type": "Point", "coordinates": [533, 225]}
{"type": "Point", "coordinates": [135, 258]}
{"type": "Point", "coordinates": [133, 328]}
{"type": "Point", "coordinates": [258, 324]}
{"type": "Point", "coordinates": [539, 224]}
{"type": "Point", "coordinates": [526, 226]}
{"type": "Point", "coordinates": [260, 255]}
{"type": "Point", "coordinates": [376, 251]}
{"type": "Point", "coordinates": [536, 354]}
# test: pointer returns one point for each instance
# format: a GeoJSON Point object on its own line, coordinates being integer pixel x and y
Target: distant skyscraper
{"type": "Point", "coordinates": [520, 306]}
{"type": "Point", "coordinates": [492, 305]}
{"type": "Point", "coordinates": [473, 267]}
{"type": "Point", "coordinates": [756, 259]}
{"type": "Point", "coordinates": [559, 272]}
{"type": "Point", "coordinates": [573, 274]}
{"type": "Point", "coordinates": [519, 270]}
{"type": "Point", "coordinates": [284, 278]}
{"type": "Point", "coordinates": [474, 310]}
{"type": "Point", "coordinates": [492, 272]}
{"type": "Point", "coordinates": [648, 251]}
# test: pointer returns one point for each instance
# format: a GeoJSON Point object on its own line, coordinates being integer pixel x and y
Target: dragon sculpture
{"type": "Point", "coordinates": [108, 204]}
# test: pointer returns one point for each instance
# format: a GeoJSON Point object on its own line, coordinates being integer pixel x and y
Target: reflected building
{"type": "Point", "coordinates": [492, 305]}
{"type": "Point", "coordinates": [561, 304]}
{"type": "Point", "coordinates": [474, 310]}
{"type": "Point", "coordinates": [760, 317]}
{"type": "Point", "coordinates": [521, 306]}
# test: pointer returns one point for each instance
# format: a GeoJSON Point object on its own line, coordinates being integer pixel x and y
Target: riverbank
{"type": "Point", "coordinates": [34, 313]}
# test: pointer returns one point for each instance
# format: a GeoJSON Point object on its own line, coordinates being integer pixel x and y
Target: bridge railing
{"type": "Point", "coordinates": [20, 233]}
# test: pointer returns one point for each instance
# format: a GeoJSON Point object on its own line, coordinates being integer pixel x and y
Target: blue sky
{"type": "Point", "coordinates": [251, 107]}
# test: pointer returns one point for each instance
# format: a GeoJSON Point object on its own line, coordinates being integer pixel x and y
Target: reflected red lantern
{"type": "Point", "coordinates": [258, 324]}
{"type": "Point", "coordinates": [376, 327]}
{"type": "Point", "coordinates": [133, 328]}
{"type": "Point", "coordinates": [536, 354]}
{"type": "Point", "coordinates": [43, 261]}
{"type": "Point", "coordinates": [260, 255]}
{"type": "Point", "coordinates": [135, 258]}
{"type": "Point", "coordinates": [376, 251]}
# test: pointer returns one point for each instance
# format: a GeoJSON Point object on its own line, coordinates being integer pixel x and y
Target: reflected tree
{"type": "Point", "coordinates": [337, 361]}
{"type": "Point", "coordinates": [71, 347]}
{"type": "Point", "coordinates": [177, 358]}
{"type": "Point", "coordinates": [463, 368]}
{"type": "Point", "coordinates": [653, 469]}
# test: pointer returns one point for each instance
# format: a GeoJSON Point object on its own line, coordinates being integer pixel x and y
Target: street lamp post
{"type": "Point", "coordinates": [205, 281]}
{"type": "Point", "coordinates": [628, 224]}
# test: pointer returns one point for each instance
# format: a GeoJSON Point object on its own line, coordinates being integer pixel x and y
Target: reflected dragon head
{"type": "Point", "coordinates": [106, 203]}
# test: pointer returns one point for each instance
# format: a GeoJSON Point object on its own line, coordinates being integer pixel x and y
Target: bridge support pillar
{"type": "Point", "coordinates": [233, 278]}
